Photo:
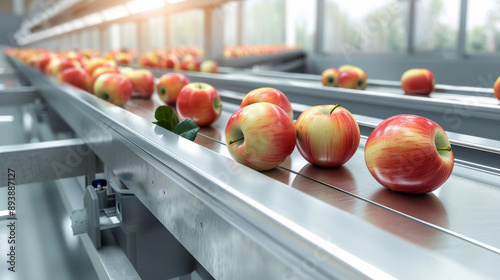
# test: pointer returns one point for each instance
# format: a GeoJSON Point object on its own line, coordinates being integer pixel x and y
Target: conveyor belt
{"type": "Point", "coordinates": [295, 220]}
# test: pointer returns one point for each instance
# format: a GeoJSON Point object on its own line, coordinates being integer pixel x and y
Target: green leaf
{"type": "Point", "coordinates": [166, 118]}
{"type": "Point", "coordinates": [187, 129]}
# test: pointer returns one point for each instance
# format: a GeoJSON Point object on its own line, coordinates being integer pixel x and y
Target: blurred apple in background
{"type": "Point", "coordinates": [169, 85]}
{"type": "Point", "coordinates": [114, 88]}
{"type": "Point", "coordinates": [417, 82]}
{"type": "Point", "coordinates": [95, 63]}
{"type": "Point", "coordinates": [209, 66]}
{"type": "Point", "coordinates": [199, 102]}
{"type": "Point", "coordinates": [148, 59]}
{"type": "Point", "coordinates": [77, 77]}
{"type": "Point", "coordinates": [270, 95]}
{"type": "Point", "coordinates": [330, 77]}
{"type": "Point", "coordinates": [123, 58]}
{"type": "Point", "coordinates": [99, 71]}
{"type": "Point", "coordinates": [410, 154]}
{"type": "Point", "coordinates": [352, 77]}
{"type": "Point", "coordinates": [169, 61]}
{"type": "Point", "coordinates": [260, 135]}
{"type": "Point", "coordinates": [327, 135]}
{"type": "Point", "coordinates": [496, 88]}
{"type": "Point", "coordinates": [143, 82]}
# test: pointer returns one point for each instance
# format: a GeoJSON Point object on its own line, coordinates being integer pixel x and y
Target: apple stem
{"type": "Point", "coordinates": [236, 140]}
{"type": "Point", "coordinates": [444, 149]}
{"type": "Point", "coordinates": [334, 108]}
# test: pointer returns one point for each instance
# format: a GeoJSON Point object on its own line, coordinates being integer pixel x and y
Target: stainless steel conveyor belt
{"type": "Point", "coordinates": [297, 220]}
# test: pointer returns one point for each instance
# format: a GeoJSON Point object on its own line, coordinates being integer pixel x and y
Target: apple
{"type": "Point", "coordinates": [169, 85]}
{"type": "Point", "coordinates": [199, 102]}
{"type": "Point", "coordinates": [351, 77]}
{"type": "Point", "coordinates": [123, 58]}
{"type": "Point", "coordinates": [209, 66]}
{"type": "Point", "coordinates": [260, 135]}
{"type": "Point", "coordinates": [496, 88]}
{"type": "Point", "coordinates": [327, 135]}
{"type": "Point", "coordinates": [99, 71]}
{"type": "Point", "coordinates": [330, 77]}
{"type": "Point", "coordinates": [77, 77]}
{"type": "Point", "coordinates": [114, 88]}
{"type": "Point", "coordinates": [408, 153]}
{"type": "Point", "coordinates": [417, 82]}
{"type": "Point", "coordinates": [270, 95]}
{"type": "Point", "coordinates": [170, 61]}
{"type": "Point", "coordinates": [43, 63]}
{"type": "Point", "coordinates": [148, 59]}
{"type": "Point", "coordinates": [95, 63]}
{"type": "Point", "coordinates": [143, 82]}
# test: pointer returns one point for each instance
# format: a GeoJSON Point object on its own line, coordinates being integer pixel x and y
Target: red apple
{"type": "Point", "coordinates": [260, 135]}
{"type": "Point", "coordinates": [496, 88]}
{"type": "Point", "coordinates": [417, 82]}
{"type": "Point", "coordinates": [169, 61]}
{"type": "Point", "coordinates": [169, 85]}
{"type": "Point", "coordinates": [143, 82]}
{"type": "Point", "coordinates": [148, 59]}
{"type": "Point", "coordinates": [327, 135]}
{"type": "Point", "coordinates": [77, 77]}
{"type": "Point", "coordinates": [352, 77]}
{"type": "Point", "coordinates": [410, 154]}
{"type": "Point", "coordinates": [114, 88]}
{"type": "Point", "coordinates": [199, 102]}
{"type": "Point", "coordinates": [99, 71]}
{"type": "Point", "coordinates": [270, 95]}
{"type": "Point", "coordinates": [95, 63]}
{"type": "Point", "coordinates": [209, 66]}
{"type": "Point", "coordinates": [123, 58]}
{"type": "Point", "coordinates": [330, 77]}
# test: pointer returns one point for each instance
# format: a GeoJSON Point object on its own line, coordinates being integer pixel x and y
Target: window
{"type": "Point", "coordinates": [359, 26]}
{"type": "Point", "coordinates": [263, 22]}
{"type": "Point", "coordinates": [483, 27]}
{"type": "Point", "coordinates": [436, 25]}
{"type": "Point", "coordinates": [230, 10]}
{"type": "Point", "coordinates": [128, 35]}
{"type": "Point", "coordinates": [186, 29]}
{"type": "Point", "coordinates": [156, 32]}
{"type": "Point", "coordinates": [300, 23]}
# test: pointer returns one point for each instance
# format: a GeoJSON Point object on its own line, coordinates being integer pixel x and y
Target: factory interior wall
{"type": "Point", "coordinates": [8, 25]}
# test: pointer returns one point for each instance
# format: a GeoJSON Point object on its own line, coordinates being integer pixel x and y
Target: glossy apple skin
{"type": "Point", "coordinates": [77, 77]}
{"type": "Point", "coordinates": [99, 71]}
{"type": "Point", "coordinates": [327, 139]}
{"type": "Point", "coordinates": [199, 102]}
{"type": "Point", "coordinates": [270, 95]}
{"type": "Point", "coordinates": [169, 86]}
{"type": "Point", "coordinates": [330, 77]}
{"type": "Point", "coordinates": [417, 82]}
{"type": "Point", "coordinates": [114, 88]}
{"type": "Point", "coordinates": [269, 135]}
{"type": "Point", "coordinates": [143, 82]}
{"type": "Point", "coordinates": [352, 77]}
{"type": "Point", "coordinates": [148, 59]}
{"type": "Point", "coordinates": [496, 88]}
{"type": "Point", "coordinates": [402, 155]}
{"type": "Point", "coordinates": [209, 66]}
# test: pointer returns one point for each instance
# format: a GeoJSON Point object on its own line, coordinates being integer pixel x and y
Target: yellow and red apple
{"type": "Point", "coordinates": [352, 77]}
{"type": "Point", "coordinates": [330, 77]}
{"type": "Point", "coordinates": [77, 77]}
{"type": "Point", "coordinates": [169, 86]}
{"type": "Point", "coordinates": [417, 82]}
{"type": "Point", "coordinates": [260, 135]}
{"type": "Point", "coordinates": [114, 88]}
{"type": "Point", "coordinates": [408, 153]}
{"type": "Point", "coordinates": [209, 66]}
{"type": "Point", "coordinates": [199, 102]}
{"type": "Point", "coordinates": [270, 95]}
{"type": "Point", "coordinates": [496, 88]}
{"type": "Point", "coordinates": [143, 82]}
{"type": "Point", "coordinates": [327, 135]}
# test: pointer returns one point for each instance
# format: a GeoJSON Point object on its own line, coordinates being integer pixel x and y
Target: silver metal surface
{"type": "Point", "coordinates": [240, 224]}
{"type": "Point", "coordinates": [17, 96]}
{"type": "Point", "coordinates": [37, 162]}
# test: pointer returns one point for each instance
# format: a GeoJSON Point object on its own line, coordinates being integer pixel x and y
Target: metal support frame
{"type": "Point", "coordinates": [462, 30]}
{"type": "Point", "coordinates": [37, 162]}
{"type": "Point", "coordinates": [320, 26]}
